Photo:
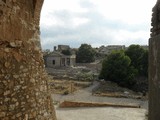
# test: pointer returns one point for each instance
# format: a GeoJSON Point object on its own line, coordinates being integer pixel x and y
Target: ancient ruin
{"type": "Point", "coordinates": [24, 94]}
{"type": "Point", "coordinates": [154, 65]}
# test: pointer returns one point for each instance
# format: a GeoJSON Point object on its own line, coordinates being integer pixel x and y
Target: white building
{"type": "Point", "coordinates": [57, 59]}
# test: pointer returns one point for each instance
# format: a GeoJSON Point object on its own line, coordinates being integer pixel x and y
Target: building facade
{"type": "Point", "coordinates": [57, 59]}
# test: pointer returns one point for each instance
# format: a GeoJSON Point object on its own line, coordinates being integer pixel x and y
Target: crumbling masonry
{"type": "Point", "coordinates": [24, 93]}
{"type": "Point", "coordinates": [154, 65]}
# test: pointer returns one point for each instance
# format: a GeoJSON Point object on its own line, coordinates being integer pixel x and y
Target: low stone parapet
{"type": "Point", "coordinates": [69, 104]}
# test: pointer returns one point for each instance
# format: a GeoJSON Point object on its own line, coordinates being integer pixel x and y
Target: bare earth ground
{"type": "Point", "coordinates": [111, 89]}
{"type": "Point", "coordinates": [100, 114]}
{"type": "Point", "coordinates": [67, 86]}
{"type": "Point", "coordinates": [103, 113]}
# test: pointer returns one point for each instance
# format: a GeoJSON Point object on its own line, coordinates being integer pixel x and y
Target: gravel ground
{"type": "Point", "coordinates": [100, 114]}
{"type": "Point", "coordinates": [103, 113]}
{"type": "Point", "coordinates": [85, 95]}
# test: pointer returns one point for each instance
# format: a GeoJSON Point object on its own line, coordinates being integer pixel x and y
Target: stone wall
{"type": "Point", "coordinates": [154, 65]}
{"type": "Point", "coordinates": [24, 94]}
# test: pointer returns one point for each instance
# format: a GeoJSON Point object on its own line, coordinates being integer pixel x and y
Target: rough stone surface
{"type": "Point", "coordinates": [154, 65]}
{"type": "Point", "coordinates": [155, 19]}
{"type": "Point", "coordinates": [154, 78]}
{"type": "Point", "coordinates": [24, 94]}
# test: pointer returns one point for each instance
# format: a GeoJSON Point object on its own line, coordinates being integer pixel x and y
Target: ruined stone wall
{"type": "Point", "coordinates": [154, 65]}
{"type": "Point", "coordinates": [24, 94]}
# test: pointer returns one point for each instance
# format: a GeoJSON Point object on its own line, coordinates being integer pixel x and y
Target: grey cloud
{"type": "Point", "coordinates": [93, 32]}
{"type": "Point", "coordinates": [86, 4]}
{"type": "Point", "coordinates": [62, 15]}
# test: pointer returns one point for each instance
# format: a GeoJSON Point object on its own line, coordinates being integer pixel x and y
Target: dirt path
{"type": "Point", "coordinates": [85, 95]}
{"type": "Point", "coordinates": [99, 113]}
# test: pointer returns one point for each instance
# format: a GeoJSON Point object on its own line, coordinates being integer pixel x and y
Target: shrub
{"type": "Point", "coordinates": [116, 67]}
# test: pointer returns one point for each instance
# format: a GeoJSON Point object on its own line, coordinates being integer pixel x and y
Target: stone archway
{"type": "Point", "coordinates": [23, 83]}
{"type": "Point", "coordinates": [24, 92]}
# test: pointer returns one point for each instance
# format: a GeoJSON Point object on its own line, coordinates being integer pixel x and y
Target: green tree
{"type": "Point", "coordinates": [85, 54]}
{"type": "Point", "coordinates": [144, 62]}
{"type": "Point", "coordinates": [116, 67]}
{"type": "Point", "coordinates": [139, 58]}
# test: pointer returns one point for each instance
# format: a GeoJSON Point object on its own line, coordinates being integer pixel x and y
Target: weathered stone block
{"type": "Point", "coordinates": [22, 69]}
{"type": "Point", "coordinates": [154, 78]}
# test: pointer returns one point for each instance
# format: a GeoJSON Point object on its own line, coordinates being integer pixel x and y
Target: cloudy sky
{"type": "Point", "coordinates": [95, 22]}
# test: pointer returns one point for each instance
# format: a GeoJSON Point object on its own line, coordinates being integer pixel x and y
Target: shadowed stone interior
{"type": "Point", "coordinates": [154, 65]}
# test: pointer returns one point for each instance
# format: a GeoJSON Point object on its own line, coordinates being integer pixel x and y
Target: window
{"type": "Point", "coordinates": [53, 62]}
{"type": "Point", "coordinates": [68, 61]}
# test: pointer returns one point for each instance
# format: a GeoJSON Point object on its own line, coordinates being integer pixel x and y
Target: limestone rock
{"type": "Point", "coordinates": [22, 69]}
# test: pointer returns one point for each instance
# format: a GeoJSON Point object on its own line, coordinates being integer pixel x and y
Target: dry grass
{"type": "Point", "coordinates": [111, 89]}
{"type": "Point", "coordinates": [67, 86]}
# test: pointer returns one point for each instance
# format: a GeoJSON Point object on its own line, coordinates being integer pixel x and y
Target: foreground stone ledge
{"type": "Point", "coordinates": [70, 104]}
